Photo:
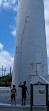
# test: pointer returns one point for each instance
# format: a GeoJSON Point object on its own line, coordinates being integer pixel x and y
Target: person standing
{"type": "Point", "coordinates": [13, 95]}
{"type": "Point", "coordinates": [24, 90]}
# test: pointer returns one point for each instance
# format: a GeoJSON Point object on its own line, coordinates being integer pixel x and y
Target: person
{"type": "Point", "coordinates": [24, 90]}
{"type": "Point", "coordinates": [13, 95]}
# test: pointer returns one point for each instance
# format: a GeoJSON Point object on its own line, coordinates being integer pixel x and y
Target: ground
{"type": "Point", "coordinates": [5, 93]}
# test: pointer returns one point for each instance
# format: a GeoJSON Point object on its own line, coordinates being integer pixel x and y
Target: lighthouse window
{"type": "Point", "coordinates": [19, 0]}
{"type": "Point", "coordinates": [27, 19]}
{"type": "Point", "coordinates": [17, 49]}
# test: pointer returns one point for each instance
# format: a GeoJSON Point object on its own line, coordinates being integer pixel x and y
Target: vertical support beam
{"type": "Point", "coordinates": [47, 97]}
{"type": "Point", "coordinates": [31, 96]}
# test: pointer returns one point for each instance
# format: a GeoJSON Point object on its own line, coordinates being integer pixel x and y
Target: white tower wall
{"type": "Point", "coordinates": [30, 45]}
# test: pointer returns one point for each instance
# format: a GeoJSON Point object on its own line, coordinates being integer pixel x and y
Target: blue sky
{"type": "Point", "coordinates": [6, 23]}
{"type": "Point", "coordinates": [8, 19]}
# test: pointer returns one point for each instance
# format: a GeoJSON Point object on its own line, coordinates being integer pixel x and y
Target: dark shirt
{"type": "Point", "coordinates": [24, 89]}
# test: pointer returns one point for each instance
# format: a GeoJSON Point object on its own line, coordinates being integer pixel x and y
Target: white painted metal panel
{"type": "Point", "coordinates": [39, 95]}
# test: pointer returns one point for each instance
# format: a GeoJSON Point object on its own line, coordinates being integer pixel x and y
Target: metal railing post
{"type": "Point", "coordinates": [31, 96]}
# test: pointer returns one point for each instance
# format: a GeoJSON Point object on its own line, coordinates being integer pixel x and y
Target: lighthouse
{"type": "Point", "coordinates": [30, 43]}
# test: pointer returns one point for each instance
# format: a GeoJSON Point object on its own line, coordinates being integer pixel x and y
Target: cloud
{"type": "Point", "coordinates": [13, 32]}
{"type": "Point", "coordinates": [1, 46]}
{"type": "Point", "coordinates": [9, 4]}
{"type": "Point", "coordinates": [47, 39]}
{"type": "Point", "coordinates": [6, 59]}
{"type": "Point", "coordinates": [46, 7]}
{"type": "Point", "coordinates": [0, 2]}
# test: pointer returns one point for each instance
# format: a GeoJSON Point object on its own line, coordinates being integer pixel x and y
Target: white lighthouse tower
{"type": "Point", "coordinates": [30, 43]}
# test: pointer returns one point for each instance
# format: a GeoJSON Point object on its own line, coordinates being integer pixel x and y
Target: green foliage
{"type": "Point", "coordinates": [6, 80]}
